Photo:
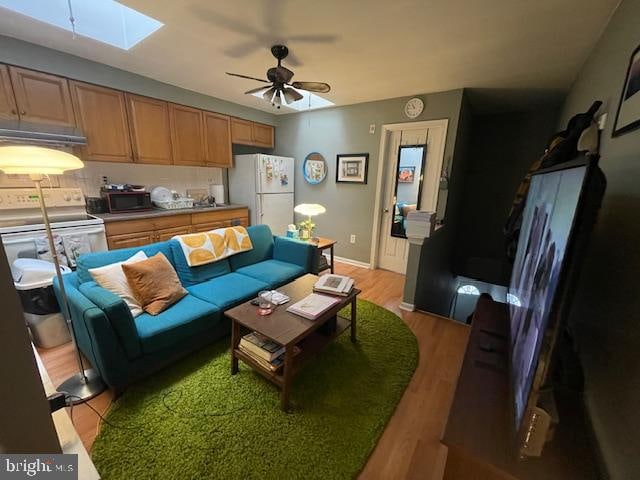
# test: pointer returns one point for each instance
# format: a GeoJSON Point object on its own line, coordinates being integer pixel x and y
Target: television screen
{"type": "Point", "coordinates": [547, 221]}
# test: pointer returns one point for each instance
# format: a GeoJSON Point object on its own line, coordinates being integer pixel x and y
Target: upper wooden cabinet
{"type": "Point", "coordinates": [8, 108]}
{"type": "Point", "coordinates": [262, 135]}
{"type": "Point", "coordinates": [42, 98]}
{"type": "Point", "coordinates": [101, 114]}
{"type": "Point", "coordinates": [217, 135]}
{"type": "Point", "coordinates": [241, 131]}
{"type": "Point", "coordinates": [150, 129]}
{"type": "Point", "coordinates": [244, 132]}
{"type": "Point", "coordinates": [187, 137]}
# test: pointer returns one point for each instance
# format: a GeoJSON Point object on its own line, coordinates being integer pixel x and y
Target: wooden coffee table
{"type": "Point", "coordinates": [289, 330]}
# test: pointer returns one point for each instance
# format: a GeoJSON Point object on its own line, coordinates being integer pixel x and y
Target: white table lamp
{"type": "Point", "coordinates": [37, 162]}
{"type": "Point", "coordinates": [310, 210]}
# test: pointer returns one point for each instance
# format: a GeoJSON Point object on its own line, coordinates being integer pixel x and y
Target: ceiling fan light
{"type": "Point", "coordinates": [268, 95]}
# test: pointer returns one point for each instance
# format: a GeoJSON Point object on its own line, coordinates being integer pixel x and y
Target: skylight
{"type": "Point", "coordinates": [106, 21]}
{"type": "Point", "coordinates": [309, 101]}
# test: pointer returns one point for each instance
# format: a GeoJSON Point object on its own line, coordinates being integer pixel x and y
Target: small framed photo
{"type": "Point", "coordinates": [628, 115]}
{"type": "Point", "coordinates": [406, 174]}
{"type": "Point", "coordinates": [352, 168]}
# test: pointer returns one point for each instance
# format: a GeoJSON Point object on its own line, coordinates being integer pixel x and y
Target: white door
{"type": "Point", "coordinates": [275, 210]}
{"type": "Point", "coordinates": [274, 174]}
{"type": "Point", "coordinates": [393, 250]}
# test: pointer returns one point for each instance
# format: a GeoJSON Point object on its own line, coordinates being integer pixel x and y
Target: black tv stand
{"type": "Point", "coordinates": [479, 436]}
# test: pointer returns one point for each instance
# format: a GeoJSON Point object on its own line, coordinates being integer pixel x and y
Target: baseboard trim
{"type": "Point", "coordinates": [407, 307]}
{"type": "Point", "coordinates": [348, 261]}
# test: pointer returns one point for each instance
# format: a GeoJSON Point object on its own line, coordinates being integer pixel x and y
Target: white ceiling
{"type": "Point", "coordinates": [367, 50]}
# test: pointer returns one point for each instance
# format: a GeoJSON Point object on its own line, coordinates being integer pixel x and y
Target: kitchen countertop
{"type": "Point", "coordinates": [158, 212]}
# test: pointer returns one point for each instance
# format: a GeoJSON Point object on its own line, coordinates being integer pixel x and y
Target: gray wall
{"type": "Point", "coordinates": [436, 282]}
{"type": "Point", "coordinates": [346, 130]}
{"type": "Point", "coordinates": [503, 148]}
{"type": "Point", "coordinates": [29, 55]}
{"type": "Point", "coordinates": [26, 425]}
{"type": "Point", "coordinates": [606, 313]}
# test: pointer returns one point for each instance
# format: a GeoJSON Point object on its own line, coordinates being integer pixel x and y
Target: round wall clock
{"type": "Point", "coordinates": [413, 108]}
{"type": "Point", "coordinates": [314, 168]}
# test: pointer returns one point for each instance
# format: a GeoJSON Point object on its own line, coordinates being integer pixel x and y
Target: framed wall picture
{"type": "Point", "coordinates": [352, 168]}
{"type": "Point", "coordinates": [406, 174]}
{"type": "Point", "coordinates": [628, 115]}
{"type": "Point", "coordinates": [314, 168]}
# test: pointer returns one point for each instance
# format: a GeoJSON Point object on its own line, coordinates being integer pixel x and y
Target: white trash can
{"type": "Point", "coordinates": [33, 281]}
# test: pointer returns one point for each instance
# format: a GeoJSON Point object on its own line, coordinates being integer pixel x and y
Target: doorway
{"type": "Point", "coordinates": [412, 156]}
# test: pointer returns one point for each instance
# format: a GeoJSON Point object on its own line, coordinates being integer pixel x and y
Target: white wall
{"type": "Point", "coordinates": [172, 177]}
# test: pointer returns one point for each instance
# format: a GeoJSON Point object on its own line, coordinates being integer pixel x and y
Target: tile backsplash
{"type": "Point", "coordinates": [172, 177]}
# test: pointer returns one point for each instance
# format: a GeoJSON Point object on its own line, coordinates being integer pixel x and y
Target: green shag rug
{"type": "Point", "coordinates": [195, 420]}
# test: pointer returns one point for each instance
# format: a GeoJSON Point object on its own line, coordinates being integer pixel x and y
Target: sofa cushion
{"type": "Point", "coordinates": [262, 241]}
{"type": "Point", "coordinates": [188, 317]}
{"type": "Point", "coordinates": [193, 275]}
{"type": "Point", "coordinates": [273, 272]}
{"type": "Point", "coordinates": [99, 259]}
{"type": "Point", "coordinates": [228, 290]}
{"type": "Point", "coordinates": [154, 283]}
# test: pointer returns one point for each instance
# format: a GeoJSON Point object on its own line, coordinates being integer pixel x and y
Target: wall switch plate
{"type": "Point", "coordinates": [602, 121]}
{"type": "Point", "coordinates": [372, 128]}
{"type": "Point", "coordinates": [352, 239]}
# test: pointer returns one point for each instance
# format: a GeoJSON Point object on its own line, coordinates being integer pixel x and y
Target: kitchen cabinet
{"type": "Point", "coordinates": [42, 98]}
{"type": "Point", "coordinates": [130, 240]}
{"type": "Point", "coordinates": [187, 136]}
{"type": "Point", "coordinates": [244, 132]}
{"type": "Point", "coordinates": [241, 131]}
{"type": "Point", "coordinates": [263, 135]}
{"type": "Point", "coordinates": [8, 108]}
{"type": "Point", "coordinates": [138, 232]}
{"type": "Point", "coordinates": [168, 233]}
{"type": "Point", "coordinates": [96, 107]}
{"type": "Point", "coordinates": [150, 130]}
{"type": "Point", "coordinates": [217, 136]}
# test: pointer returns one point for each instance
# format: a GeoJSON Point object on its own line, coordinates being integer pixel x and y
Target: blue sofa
{"type": "Point", "coordinates": [124, 349]}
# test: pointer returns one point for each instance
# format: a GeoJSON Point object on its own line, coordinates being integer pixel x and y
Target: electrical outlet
{"type": "Point", "coordinates": [352, 239]}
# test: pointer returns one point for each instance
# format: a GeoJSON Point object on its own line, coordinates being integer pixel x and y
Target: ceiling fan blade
{"type": "Point", "coordinates": [312, 86]}
{"type": "Point", "coordinates": [255, 90]}
{"type": "Point", "coordinates": [247, 77]}
{"type": "Point", "coordinates": [291, 95]}
{"type": "Point", "coordinates": [268, 95]}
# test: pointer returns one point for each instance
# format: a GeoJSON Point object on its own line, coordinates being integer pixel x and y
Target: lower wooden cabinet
{"type": "Point", "coordinates": [136, 233]}
{"type": "Point", "coordinates": [168, 233]}
{"type": "Point", "coordinates": [130, 240]}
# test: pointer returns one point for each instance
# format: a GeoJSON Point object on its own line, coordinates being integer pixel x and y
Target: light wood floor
{"type": "Point", "coordinates": [409, 446]}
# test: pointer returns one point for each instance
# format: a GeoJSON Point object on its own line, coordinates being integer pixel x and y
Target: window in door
{"type": "Point", "coordinates": [408, 190]}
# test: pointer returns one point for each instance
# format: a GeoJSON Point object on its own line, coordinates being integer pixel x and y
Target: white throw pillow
{"type": "Point", "coordinates": [112, 278]}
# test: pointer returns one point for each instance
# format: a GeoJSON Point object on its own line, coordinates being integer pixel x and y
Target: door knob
{"type": "Point", "coordinates": [386, 210]}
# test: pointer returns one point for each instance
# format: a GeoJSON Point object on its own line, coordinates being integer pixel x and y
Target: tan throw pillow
{"type": "Point", "coordinates": [154, 283]}
{"type": "Point", "coordinates": [111, 277]}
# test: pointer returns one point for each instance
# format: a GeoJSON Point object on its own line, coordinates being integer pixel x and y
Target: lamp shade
{"type": "Point", "coordinates": [309, 209]}
{"type": "Point", "coordinates": [32, 160]}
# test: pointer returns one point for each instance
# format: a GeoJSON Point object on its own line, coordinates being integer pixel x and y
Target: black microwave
{"type": "Point", "coordinates": [118, 202]}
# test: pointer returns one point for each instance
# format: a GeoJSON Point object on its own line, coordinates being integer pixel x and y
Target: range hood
{"type": "Point", "coordinates": [38, 134]}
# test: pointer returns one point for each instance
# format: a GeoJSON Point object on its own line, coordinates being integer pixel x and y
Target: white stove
{"type": "Point", "coordinates": [22, 225]}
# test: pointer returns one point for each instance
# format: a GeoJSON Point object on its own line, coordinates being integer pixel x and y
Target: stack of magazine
{"type": "Point", "coordinates": [265, 352]}
{"type": "Point", "coordinates": [312, 306]}
{"type": "Point", "coordinates": [334, 285]}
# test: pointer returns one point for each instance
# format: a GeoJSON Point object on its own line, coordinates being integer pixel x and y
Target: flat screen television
{"type": "Point", "coordinates": [555, 224]}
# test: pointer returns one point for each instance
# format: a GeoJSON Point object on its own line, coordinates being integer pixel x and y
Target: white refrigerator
{"type": "Point", "coordinates": [265, 184]}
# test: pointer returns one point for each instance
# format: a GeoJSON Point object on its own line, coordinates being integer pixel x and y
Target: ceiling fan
{"type": "Point", "coordinates": [279, 77]}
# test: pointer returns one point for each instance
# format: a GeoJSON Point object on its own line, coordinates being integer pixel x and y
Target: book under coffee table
{"type": "Point", "coordinates": [289, 330]}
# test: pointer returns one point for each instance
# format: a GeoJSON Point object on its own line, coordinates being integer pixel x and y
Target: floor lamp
{"type": "Point", "coordinates": [38, 162]}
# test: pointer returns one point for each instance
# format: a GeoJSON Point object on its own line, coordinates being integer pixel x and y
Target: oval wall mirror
{"type": "Point", "coordinates": [314, 168]}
